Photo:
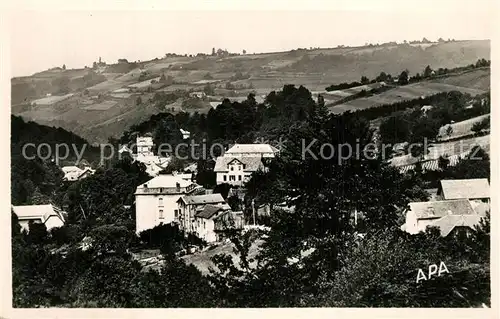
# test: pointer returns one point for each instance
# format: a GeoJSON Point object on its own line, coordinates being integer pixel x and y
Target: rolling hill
{"type": "Point", "coordinates": [104, 101]}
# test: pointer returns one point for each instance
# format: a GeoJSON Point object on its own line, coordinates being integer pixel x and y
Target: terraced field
{"type": "Point", "coordinates": [402, 93]}
{"type": "Point", "coordinates": [460, 129]}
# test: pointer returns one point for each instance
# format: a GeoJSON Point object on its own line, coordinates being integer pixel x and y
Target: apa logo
{"type": "Point", "coordinates": [433, 269]}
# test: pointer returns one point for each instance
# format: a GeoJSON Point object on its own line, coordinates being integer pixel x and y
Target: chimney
{"type": "Point", "coordinates": [178, 187]}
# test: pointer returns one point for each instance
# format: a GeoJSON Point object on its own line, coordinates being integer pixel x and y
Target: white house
{"type": "Point", "coordinates": [447, 215]}
{"type": "Point", "coordinates": [189, 205]}
{"type": "Point", "coordinates": [185, 134]}
{"type": "Point", "coordinates": [144, 146]}
{"type": "Point", "coordinates": [74, 173]}
{"type": "Point", "coordinates": [213, 220]}
{"type": "Point", "coordinates": [154, 164]}
{"type": "Point", "coordinates": [236, 170]}
{"type": "Point", "coordinates": [49, 215]}
{"type": "Point", "coordinates": [156, 200]}
{"type": "Point", "coordinates": [252, 150]}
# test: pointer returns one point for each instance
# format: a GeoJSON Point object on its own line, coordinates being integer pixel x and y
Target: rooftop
{"type": "Point", "coordinates": [251, 148]}
{"type": "Point", "coordinates": [209, 211]}
{"type": "Point", "coordinates": [436, 209]}
{"type": "Point", "coordinates": [252, 164]}
{"type": "Point", "coordinates": [166, 181]}
{"type": "Point", "coordinates": [465, 188]}
{"type": "Point", "coordinates": [448, 223]}
{"type": "Point", "coordinates": [203, 199]}
{"type": "Point", "coordinates": [32, 212]}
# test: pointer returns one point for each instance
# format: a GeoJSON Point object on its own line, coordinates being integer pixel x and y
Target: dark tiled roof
{"type": "Point", "coordinates": [209, 211]}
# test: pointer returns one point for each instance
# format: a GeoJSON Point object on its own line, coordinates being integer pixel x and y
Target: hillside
{"type": "Point", "coordinates": [97, 104]}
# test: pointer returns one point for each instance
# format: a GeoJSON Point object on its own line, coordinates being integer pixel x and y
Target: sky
{"type": "Point", "coordinates": [43, 36]}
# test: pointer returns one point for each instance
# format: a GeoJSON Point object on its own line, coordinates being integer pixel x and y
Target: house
{"type": "Point", "coordinates": [124, 149]}
{"type": "Point", "coordinates": [156, 200]}
{"type": "Point", "coordinates": [185, 134]}
{"type": "Point", "coordinates": [477, 189]}
{"type": "Point", "coordinates": [192, 168]}
{"type": "Point", "coordinates": [252, 150]}
{"type": "Point", "coordinates": [236, 170]}
{"type": "Point", "coordinates": [214, 105]}
{"type": "Point", "coordinates": [448, 215]}
{"type": "Point", "coordinates": [211, 223]}
{"type": "Point", "coordinates": [144, 146]}
{"type": "Point", "coordinates": [74, 173]}
{"type": "Point", "coordinates": [48, 214]}
{"type": "Point", "coordinates": [154, 163]}
{"type": "Point", "coordinates": [191, 204]}
{"type": "Point", "coordinates": [199, 94]}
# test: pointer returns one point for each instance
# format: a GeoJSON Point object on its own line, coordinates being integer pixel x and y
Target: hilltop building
{"type": "Point", "coordinates": [48, 214]}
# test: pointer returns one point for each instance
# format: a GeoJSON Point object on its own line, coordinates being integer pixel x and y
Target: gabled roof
{"type": "Point", "coordinates": [37, 212]}
{"type": "Point", "coordinates": [465, 188]}
{"type": "Point", "coordinates": [437, 209]}
{"type": "Point", "coordinates": [209, 211]}
{"type": "Point", "coordinates": [252, 164]}
{"type": "Point", "coordinates": [251, 148]}
{"type": "Point", "coordinates": [202, 199]}
{"type": "Point", "coordinates": [448, 223]}
{"type": "Point", "coordinates": [67, 169]}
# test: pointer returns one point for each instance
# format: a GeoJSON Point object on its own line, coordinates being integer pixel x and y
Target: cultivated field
{"type": "Point", "coordinates": [315, 69]}
{"type": "Point", "coordinates": [445, 149]}
{"type": "Point", "coordinates": [49, 100]}
{"type": "Point", "coordinates": [460, 129]}
{"type": "Point", "coordinates": [477, 79]}
{"type": "Point", "coordinates": [402, 93]}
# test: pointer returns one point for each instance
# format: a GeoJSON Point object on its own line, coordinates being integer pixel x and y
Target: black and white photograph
{"type": "Point", "coordinates": [209, 157]}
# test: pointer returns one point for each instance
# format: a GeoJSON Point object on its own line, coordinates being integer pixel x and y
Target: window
{"type": "Point", "coordinates": [232, 177]}
{"type": "Point", "coordinates": [225, 177]}
{"type": "Point", "coordinates": [204, 225]}
{"type": "Point", "coordinates": [161, 190]}
{"type": "Point", "coordinates": [239, 177]}
{"type": "Point", "coordinates": [161, 213]}
{"type": "Point", "coordinates": [232, 167]}
{"type": "Point", "coordinates": [160, 202]}
{"type": "Point", "coordinates": [176, 213]}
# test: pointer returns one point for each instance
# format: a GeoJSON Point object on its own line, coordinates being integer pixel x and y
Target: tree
{"type": "Point", "coordinates": [382, 77]}
{"type": "Point", "coordinates": [427, 72]}
{"type": "Point", "coordinates": [213, 52]}
{"type": "Point", "coordinates": [477, 127]}
{"type": "Point", "coordinates": [403, 78]}
{"type": "Point", "coordinates": [64, 67]}
{"type": "Point", "coordinates": [244, 51]}
{"type": "Point", "coordinates": [365, 80]}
